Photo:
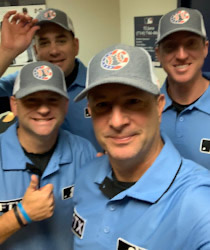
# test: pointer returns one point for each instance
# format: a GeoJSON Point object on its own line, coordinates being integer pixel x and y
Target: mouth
{"type": "Point", "coordinates": [182, 66]}
{"type": "Point", "coordinates": [58, 62]}
{"type": "Point", "coordinates": [123, 139]}
{"type": "Point", "coordinates": [42, 120]}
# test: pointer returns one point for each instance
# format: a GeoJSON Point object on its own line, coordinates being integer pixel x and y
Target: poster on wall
{"type": "Point", "coordinates": [29, 9]}
{"type": "Point", "coordinates": [146, 29]}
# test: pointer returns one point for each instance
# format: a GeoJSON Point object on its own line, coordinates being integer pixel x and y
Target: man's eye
{"type": "Point", "coordinates": [61, 41]}
{"type": "Point", "coordinates": [169, 47]}
{"type": "Point", "coordinates": [102, 106]}
{"type": "Point", "coordinates": [43, 43]}
{"type": "Point", "coordinates": [192, 44]}
{"type": "Point", "coordinates": [133, 101]}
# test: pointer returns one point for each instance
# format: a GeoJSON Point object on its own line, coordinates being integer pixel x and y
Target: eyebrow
{"type": "Point", "coordinates": [127, 94]}
{"type": "Point", "coordinates": [58, 36]}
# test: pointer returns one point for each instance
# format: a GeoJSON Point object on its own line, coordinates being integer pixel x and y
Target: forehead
{"type": "Point", "coordinates": [181, 35]}
{"type": "Point", "coordinates": [115, 90]}
{"type": "Point", "coordinates": [43, 94]}
{"type": "Point", "coordinates": [48, 28]}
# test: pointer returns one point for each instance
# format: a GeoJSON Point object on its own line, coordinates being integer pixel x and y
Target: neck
{"type": "Point", "coordinates": [36, 144]}
{"type": "Point", "coordinates": [187, 93]}
{"type": "Point", "coordinates": [131, 170]}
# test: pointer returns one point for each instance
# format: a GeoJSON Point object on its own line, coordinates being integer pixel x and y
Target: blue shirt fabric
{"type": "Point", "coordinates": [76, 120]}
{"type": "Point", "coordinates": [168, 208]}
{"type": "Point", "coordinates": [190, 129]}
{"type": "Point", "coordinates": [70, 153]}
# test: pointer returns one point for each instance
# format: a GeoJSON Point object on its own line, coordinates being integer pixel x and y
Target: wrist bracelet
{"type": "Point", "coordinates": [18, 217]}
{"type": "Point", "coordinates": [23, 212]}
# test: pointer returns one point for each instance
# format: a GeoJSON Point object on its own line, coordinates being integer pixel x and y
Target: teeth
{"type": "Point", "coordinates": [181, 66]}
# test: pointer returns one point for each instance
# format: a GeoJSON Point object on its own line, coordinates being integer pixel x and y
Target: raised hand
{"type": "Point", "coordinates": [38, 202]}
{"type": "Point", "coordinates": [17, 32]}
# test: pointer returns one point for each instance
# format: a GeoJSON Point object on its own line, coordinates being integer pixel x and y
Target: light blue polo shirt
{"type": "Point", "coordinates": [76, 121]}
{"type": "Point", "coordinates": [190, 129]}
{"type": "Point", "coordinates": [70, 153]}
{"type": "Point", "coordinates": [167, 209]}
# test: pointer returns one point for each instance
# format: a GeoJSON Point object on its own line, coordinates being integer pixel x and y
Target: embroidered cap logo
{"type": "Point", "coordinates": [114, 60]}
{"type": "Point", "coordinates": [50, 14]}
{"type": "Point", "coordinates": [43, 72]}
{"type": "Point", "coordinates": [180, 17]}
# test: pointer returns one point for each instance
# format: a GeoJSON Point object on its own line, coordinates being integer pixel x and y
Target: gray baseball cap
{"type": "Point", "coordinates": [121, 64]}
{"type": "Point", "coordinates": [39, 76]}
{"type": "Point", "coordinates": [56, 16]}
{"type": "Point", "coordinates": [181, 19]}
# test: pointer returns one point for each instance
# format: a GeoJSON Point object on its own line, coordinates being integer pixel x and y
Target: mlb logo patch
{"type": "Point", "coordinates": [43, 72]}
{"type": "Point", "coordinates": [78, 225]}
{"type": "Point", "coordinates": [86, 113]}
{"type": "Point", "coordinates": [115, 60]}
{"type": "Point", "coordinates": [205, 146]}
{"type": "Point", "coordinates": [180, 17]}
{"type": "Point", "coordinates": [125, 245]}
{"type": "Point", "coordinates": [67, 192]}
{"type": "Point", "coordinates": [50, 14]}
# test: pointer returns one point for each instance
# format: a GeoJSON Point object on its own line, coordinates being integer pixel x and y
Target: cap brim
{"type": "Point", "coordinates": [51, 21]}
{"type": "Point", "coordinates": [180, 29]}
{"type": "Point", "coordinates": [140, 84]}
{"type": "Point", "coordinates": [24, 92]}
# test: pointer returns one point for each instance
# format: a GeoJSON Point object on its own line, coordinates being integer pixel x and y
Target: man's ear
{"type": "Point", "coordinates": [13, 105]}
{"type": "Point", "coordinates": [161, 103]}
{"type": "Point", "coordinates": [35, 50]}
{"type": "Point", "coordinates": [157, 52]}
{"type": "Point", "coordinates": [76, 46]}
{"type": "Point", "coordinates": [89, 110]}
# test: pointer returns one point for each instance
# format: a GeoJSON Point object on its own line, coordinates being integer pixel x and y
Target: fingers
{"type": "Point", "coordinates": [9, 14]}
{"type": "Point", "coordinates": [19, 18]}
{"type": "Point", "coordinates": [34, 183]}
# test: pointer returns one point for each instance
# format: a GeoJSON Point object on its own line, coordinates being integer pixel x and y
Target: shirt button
{"type": "Point", "coordinates": [112, 207]}
{"type": "Point", "coordinates": [106, 230]}
{"type": "Point", "coordinates": [181, 119]}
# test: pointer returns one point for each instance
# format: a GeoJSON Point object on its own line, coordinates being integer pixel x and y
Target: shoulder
{"type": "Point", "coordinates": [10, 77]}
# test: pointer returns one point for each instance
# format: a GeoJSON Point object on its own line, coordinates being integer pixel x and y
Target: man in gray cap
{"type": "Point", "coordinates": [54, 41]}
{"type": "Point", "coordinates": [38, 163]}
{"type": "Point", "coordinates": [143, 194]}
{"type": "Point", "coordinates": [182, 47]}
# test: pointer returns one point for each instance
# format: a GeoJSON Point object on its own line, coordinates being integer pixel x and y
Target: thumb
{"type": "Point", "coordinates": [34, 182]}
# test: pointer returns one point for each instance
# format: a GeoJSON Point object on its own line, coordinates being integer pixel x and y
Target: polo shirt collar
{"type": "Point", "coordinates": [156, 180]}
{"type": "Point", "coordinates": [201, 104]}
{"type": "Point", "coordinates": [9, 140]}
{"type": "Point", "coordinates": [81, 75]}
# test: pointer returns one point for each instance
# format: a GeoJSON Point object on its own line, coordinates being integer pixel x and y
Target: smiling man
{"type": "Point", "coordinates": [141, 193]}
{"type": "Point", "coordinates": [182, 47]}
{"type": "Point", "coordinates": [38, 163]}
{"type": "Point", "coordinates": [55, 42]}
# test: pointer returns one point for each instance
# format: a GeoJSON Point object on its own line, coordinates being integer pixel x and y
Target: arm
{"type": "Point", "coordinates": [38, 204]}
{"type": "Point", "coordinates": [16, 35]}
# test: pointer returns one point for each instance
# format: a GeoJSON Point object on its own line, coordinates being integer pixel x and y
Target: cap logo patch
{"type": "Point", "coordinates": [50, 14]}
{"type": "Point", "coordinates": [114, 60]}
{"type": "Point", "coordinates": [43, 72]}
{"type": "Point", "coordinates": [181, 17]}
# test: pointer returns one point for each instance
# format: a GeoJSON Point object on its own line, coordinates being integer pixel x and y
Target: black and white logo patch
{"type": "Point", "coordinates": [5, 206]}
{"type": "Point", "coordinates": [205, 146]}
{"type": "Point", "coordinates": [125, 245]}
{"type": "Point", "coordinates": [78, 225]}
{"type": "Point", "coordinates": [67, 192]}
{"type": "Point", "coordinates": [86, 113]}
